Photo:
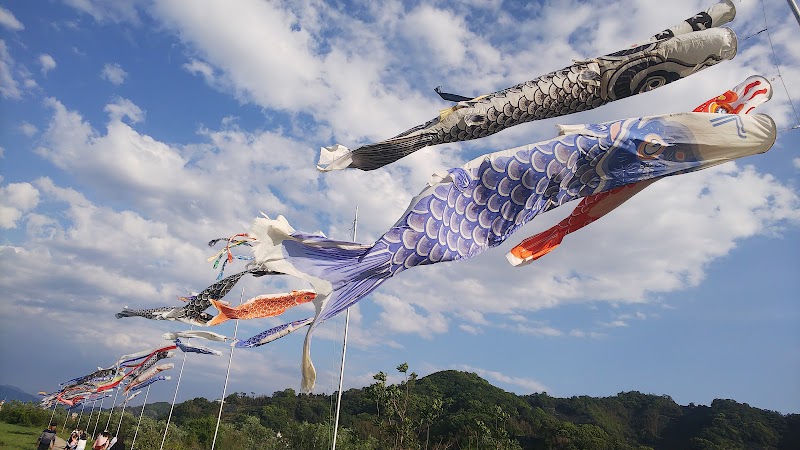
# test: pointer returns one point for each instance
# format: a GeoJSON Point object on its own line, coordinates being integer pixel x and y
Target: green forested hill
{"type": "Point", "coordinates": [459, 410]}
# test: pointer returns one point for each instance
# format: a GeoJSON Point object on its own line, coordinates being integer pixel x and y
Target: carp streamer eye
{"type": "Point", "coordinates": [651, 147]}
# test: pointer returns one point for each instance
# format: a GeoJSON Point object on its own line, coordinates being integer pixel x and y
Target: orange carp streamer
{"type": "Point", "coordinates": [261, 306]}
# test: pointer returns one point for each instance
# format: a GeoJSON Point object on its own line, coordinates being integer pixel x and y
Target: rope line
{"type": "Point", "coordinates": [754, 34]}
{"type": "Point", "coordinates": [777, 66]}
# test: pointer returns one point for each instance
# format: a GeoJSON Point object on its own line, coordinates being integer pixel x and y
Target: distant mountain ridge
{"type": "Point", "coordinates": [452, 409]}
{"type": "Point", "coordinates": [456, 409]}
{"type": "Point", "coordinates": [9, 393]}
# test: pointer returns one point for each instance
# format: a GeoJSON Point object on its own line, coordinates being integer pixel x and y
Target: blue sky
{"type": "Point", "coordinates": [134, 132]}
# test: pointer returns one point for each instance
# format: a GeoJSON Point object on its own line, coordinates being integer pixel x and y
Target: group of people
{"type": "Point", "coordinates": [77, 440]}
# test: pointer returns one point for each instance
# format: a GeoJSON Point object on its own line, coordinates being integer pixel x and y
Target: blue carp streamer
{"type": "Point", "coordinates": [274, 333]}
{"type": "Point", "coordinates": [469, 209]}
{"type": "Point", "coordinates": [186, 348]}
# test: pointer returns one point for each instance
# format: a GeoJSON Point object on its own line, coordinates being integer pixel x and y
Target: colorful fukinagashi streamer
{"type": "Point", "coordinates": [261, 306]}
{"type": "Point", "coordinates": [133, 364]}
{"type": "Point", "coordinates": [127, 360]}
{"type": "Point", "coordinates": [582, 86]}
{"type": "Point", "coordinates": [466, 210]}
{"type": "Point", "coordinates": [186, 348]}
{"type": "Point", "coordinates": [742, 99]}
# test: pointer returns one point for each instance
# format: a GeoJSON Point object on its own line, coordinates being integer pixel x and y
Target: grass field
{"type": "Point", "coordinates": [15, 437]}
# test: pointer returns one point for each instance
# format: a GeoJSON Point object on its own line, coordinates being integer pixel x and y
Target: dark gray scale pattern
{"type": "Point", "coordinates": [582, 86]}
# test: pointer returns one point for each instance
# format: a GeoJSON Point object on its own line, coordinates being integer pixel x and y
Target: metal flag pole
{"type": "Point", "coordinates": [174, 397]}
{"type": "Point", "coordinates": [55, 403]}
{"type": "Point", "coordinates": [795, 10]}
{"type": "Point", "coordinates": [65, 418]}
{"type": "Point", "coordinates": [113, 405]}
{"type": "Point", "coordinates": [227, 375]}
{"type": "Point", "coordinates": [83, 406]}
{"type": "Point", "coordinates": [140, 416]}
{"type": "Point", "coordinates": [91, 413]}
{"type": "Point", "coordinates": [98, 417]}
{"type": "Point", "coordinates": [344, 353]}
{"type": "Point", "coordinates": [121, 416]}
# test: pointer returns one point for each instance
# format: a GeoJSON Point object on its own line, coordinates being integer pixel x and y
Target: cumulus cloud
{"type": "Point", "coordinates": [469, 329]}
{"type": "Point", "coordinates": [8, 20]}
{"type": "Point", "coordinates": [196, 67]}
{"type": "Point", "coordinates": [538, 330]}
{"type": "Point", "coordinates": [400, 316]}
{"type": "Point", "coordinates": [581, 333]}
{"type": "Point", "coordinates": [520, 385]}
{"type": "Point", "coordinates": [442, 33]}
{"type": "Point", "coordinates": [113, 73]}
{"type": "Point", "coordinates": [121, 108]}
{"type": "Point", "coordinates": [358, 78]}
{"type": "Point", "coordinates": [9, 86]}
{"type": "Point", "coordinates": [28, 129]}
{"type": "Point", "coordinates": [47, 62]}
{"type": "Point", "coordinates": [104, 11]}
{"type": "Point", "coordinates": [15, 200]}
{"type": "Point", "coordinates": [796, 162]}
{"type": "Point", "coordinates": [100, 260]}
{"type": "Point", "coordinates": [711, 212]}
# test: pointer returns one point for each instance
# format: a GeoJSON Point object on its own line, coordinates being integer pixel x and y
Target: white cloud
{"type": "Point", "coordinates": [344, 81]}
{"type": "Point", "coordinates": [528, 385]}
{"type": "Point", "coordinates": [121, 108]}
{"type": "Point", "coordinates": [441, 33]}
{"type": "Point", "coordinates": [368, 83]}
{"type": "Point", "coordinates": [400, 316]}
{"type": "Point", "coordinates": [538, 330]}
{"type": "Point", "coordinates": [796, 162]}
{"type": "Point", "coordinates": [121, 157]}
{"type": "Point", "coordinates": [8, 20]}
{"type": "Point", "coordinates": [590, 334]}
{"type": "Point", "coordinates": [15, 200]}
{"type": "Point", "coordinates": [105, 11]}
{"type": "Point", "coordinates": [28, 129]}
{"type": "Point", "coordinates": [47, 62]}
{"type": "Point", "coordinates": [9, 87]}
{"type": "Point", "coordinates": [637, 315]}
{"type": "Point", "coordinates": [469, 329]}
{"type": "Point", "coordinates": [113, 73]}
{"type": "Point", "coordinates": [199, 67]}
{"type": "Point", "coordinates": [177, 182]}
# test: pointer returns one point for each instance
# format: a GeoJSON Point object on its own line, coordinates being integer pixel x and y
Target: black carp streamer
{"type": "Point", "coordinates": [675, 53]}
